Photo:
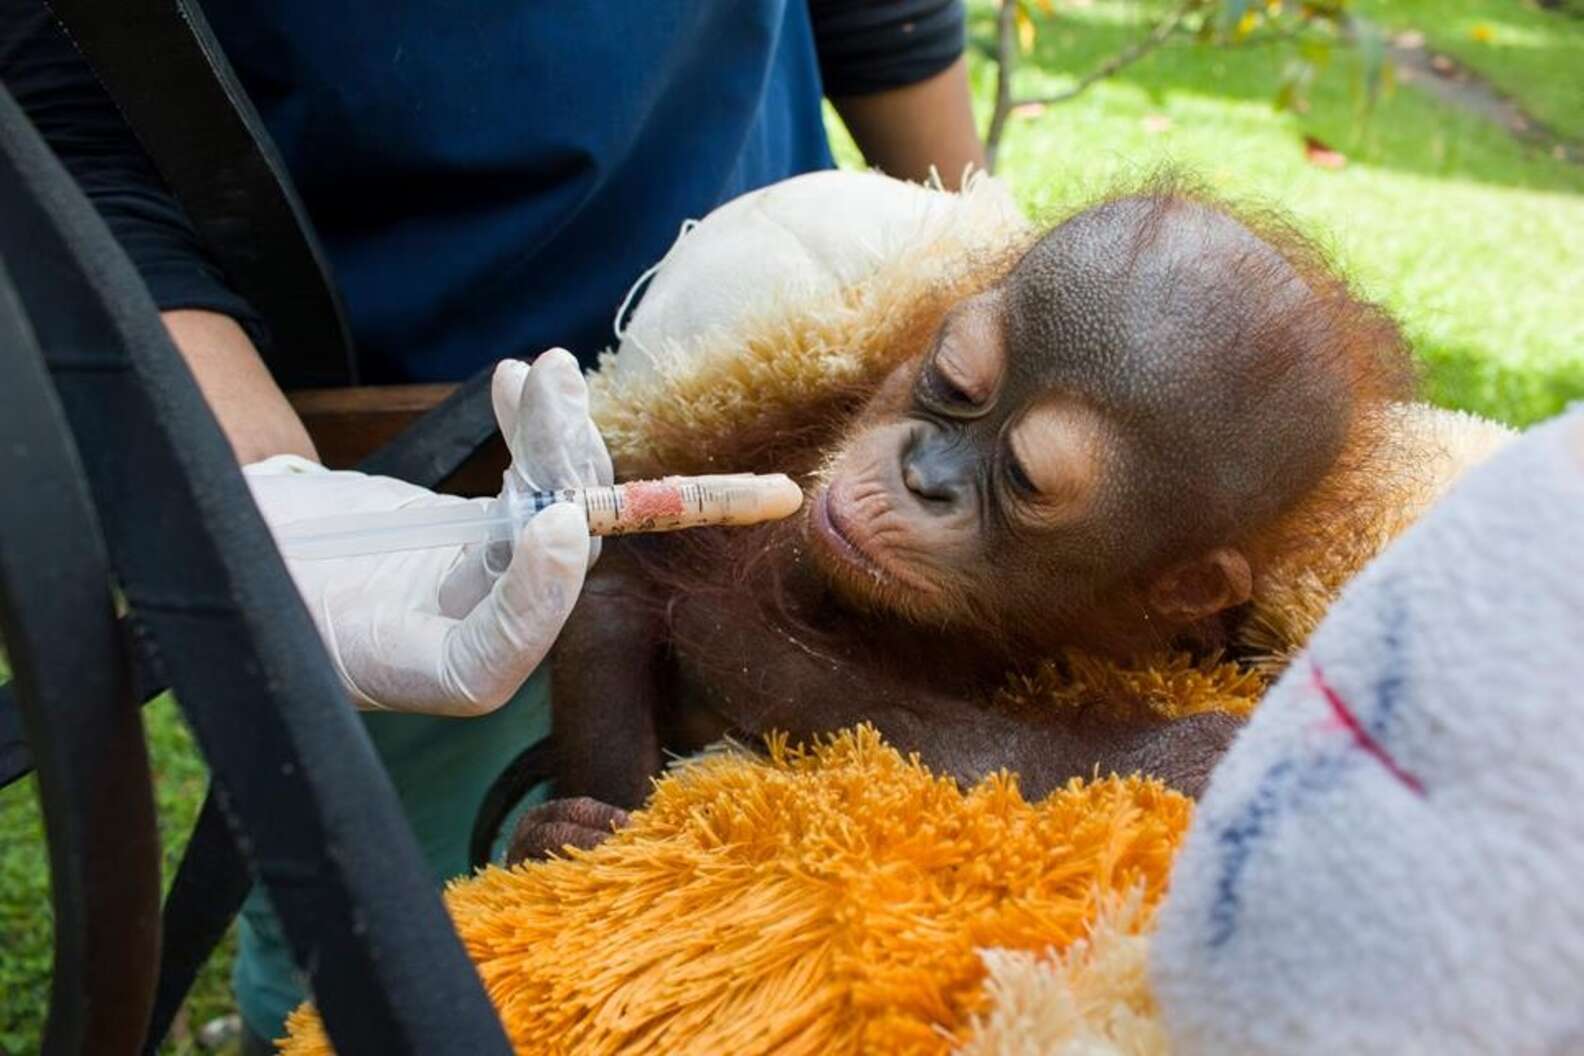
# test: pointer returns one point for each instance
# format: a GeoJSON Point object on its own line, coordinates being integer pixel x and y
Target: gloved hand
{"type": "Point", "coordinates": [452, 630]}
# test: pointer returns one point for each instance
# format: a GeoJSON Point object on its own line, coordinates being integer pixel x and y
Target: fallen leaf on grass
{"type": "Point", "coordinates": [1025, 29]}
{"type": "Point", "coordinates": [1321, 156]}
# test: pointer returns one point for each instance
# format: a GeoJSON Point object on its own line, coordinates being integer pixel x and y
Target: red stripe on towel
{"type": "Point", "coordinates": [1361, 736]}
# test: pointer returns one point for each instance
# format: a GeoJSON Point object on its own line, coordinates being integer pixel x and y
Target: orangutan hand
{"type": "Point", "coordinates": [544, 830]}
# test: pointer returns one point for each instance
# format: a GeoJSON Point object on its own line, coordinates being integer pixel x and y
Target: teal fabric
{"type": "Point", "coordinates": [441, 768]}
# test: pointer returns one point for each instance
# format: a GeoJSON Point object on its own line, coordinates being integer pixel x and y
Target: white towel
{"type": "Point", "coordinates": [1391, 857]}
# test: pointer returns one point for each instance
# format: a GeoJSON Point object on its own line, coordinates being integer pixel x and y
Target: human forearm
{"type": "Point", "coordinates": [907, 131]}
{"type": "Point", "coordinates": [252, 411]}
{"type": "Point", "coordinates": [65, 101]}
{"type": "Point", "coordinates": [895, 73]}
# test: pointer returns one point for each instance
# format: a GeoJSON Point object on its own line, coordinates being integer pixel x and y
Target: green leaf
{"type": "Point", "coordinates": [1025, 28]}
{"type": "Point", "coordinates": [1232, 12]}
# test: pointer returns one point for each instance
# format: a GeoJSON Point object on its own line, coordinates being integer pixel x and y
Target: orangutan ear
{"type": "Point", "coordinates": [1202, 586]}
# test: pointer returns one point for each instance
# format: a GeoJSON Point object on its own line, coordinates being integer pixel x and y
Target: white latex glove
{"type": "Point", "coordinates": [452, 630]}
{"type": "Point", "coordinates": [553, 442]}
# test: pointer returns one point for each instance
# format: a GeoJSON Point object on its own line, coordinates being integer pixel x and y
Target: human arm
{"type": "Point", "coordinates": [250, 407]}
{"type": "Point", "coordinates": [906, 132]}
{"type": "Point", "coordinates": [449, 631]}
{"type": "Point", "coordinates": [895, 73]}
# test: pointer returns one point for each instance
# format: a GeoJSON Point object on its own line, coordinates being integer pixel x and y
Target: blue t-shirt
{"type": "Point", "coordinates": [488, 178]}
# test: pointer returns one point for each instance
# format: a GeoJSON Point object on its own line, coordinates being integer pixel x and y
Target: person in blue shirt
{"type": "Point", "coordinates": [487, 180]}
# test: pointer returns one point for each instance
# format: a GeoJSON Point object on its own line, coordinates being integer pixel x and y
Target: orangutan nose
{"type": "Point", "coordinates": [939, 476]}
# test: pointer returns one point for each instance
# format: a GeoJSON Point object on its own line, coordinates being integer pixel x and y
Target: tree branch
{"type": "Point", "coordinates": [1121, 60]}
{"type": "Point", "coordinates": [1006, 58]}
{"type": "Point", "coordinates": [1257, 40]}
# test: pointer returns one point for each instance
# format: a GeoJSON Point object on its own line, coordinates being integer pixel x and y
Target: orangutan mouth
{"type": "Point", "coordinates": [837, 542]}
{"type": "Point", "coordinates": [828, 526]}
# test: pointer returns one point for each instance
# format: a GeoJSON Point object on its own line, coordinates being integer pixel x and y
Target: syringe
{"type": "Point", "coordinates": [621, 509]}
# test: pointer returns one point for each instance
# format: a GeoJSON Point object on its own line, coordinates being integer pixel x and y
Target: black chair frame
{"type": "Point", "coordinates": [113, 473]}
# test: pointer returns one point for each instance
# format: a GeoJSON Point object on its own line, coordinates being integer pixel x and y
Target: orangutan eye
{"type": "Point", "coordinates": [938, 389]}
{"type": "Point", "coordinates": [1018, 477]}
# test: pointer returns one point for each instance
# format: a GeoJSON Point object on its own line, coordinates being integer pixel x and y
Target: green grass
{"type": "Point", "coordinates": [1525, 51]}
{"type": "Point", "coordinates": [25, 920]}
{"type": "Point", "coordinates": [1475, 241]}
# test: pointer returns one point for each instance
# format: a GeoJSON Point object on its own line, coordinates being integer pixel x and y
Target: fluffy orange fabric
{"type": "Point", "coordinates": [1164, 685]}
{"type": "Point", "coordinates": [829, 900]}
{"type": "Point", "coordinates": [834, 900]}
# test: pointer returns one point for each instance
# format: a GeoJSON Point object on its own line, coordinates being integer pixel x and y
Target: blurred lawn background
{"type": "Point", "coordinates": [25, 922]}
{"type": "Point", "coordinates": [1474, 238]}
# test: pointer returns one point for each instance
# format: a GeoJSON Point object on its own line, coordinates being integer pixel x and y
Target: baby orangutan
{"type": "Point", "coordinates": [1101, 451]}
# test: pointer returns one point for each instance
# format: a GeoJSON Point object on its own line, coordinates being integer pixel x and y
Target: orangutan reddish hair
{"type": "Point", "coordinates": [1103, 450]}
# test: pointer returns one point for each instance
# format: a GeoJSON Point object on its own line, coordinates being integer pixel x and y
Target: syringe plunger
{"type": "Point", "coordinates": [620, 509]}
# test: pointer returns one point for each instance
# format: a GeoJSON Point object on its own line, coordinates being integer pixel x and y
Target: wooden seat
{"type": "Point", "coordinates": [349, 425]}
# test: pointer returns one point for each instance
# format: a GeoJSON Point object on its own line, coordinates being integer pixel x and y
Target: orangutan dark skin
{"type": "Point", "coordinates": [1099, 452]}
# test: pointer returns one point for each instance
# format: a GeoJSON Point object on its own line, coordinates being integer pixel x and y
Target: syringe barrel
{"type": "Point", "coordinates": [622, 509]}
{"type": "Point", "coordinates": [680, 502]}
